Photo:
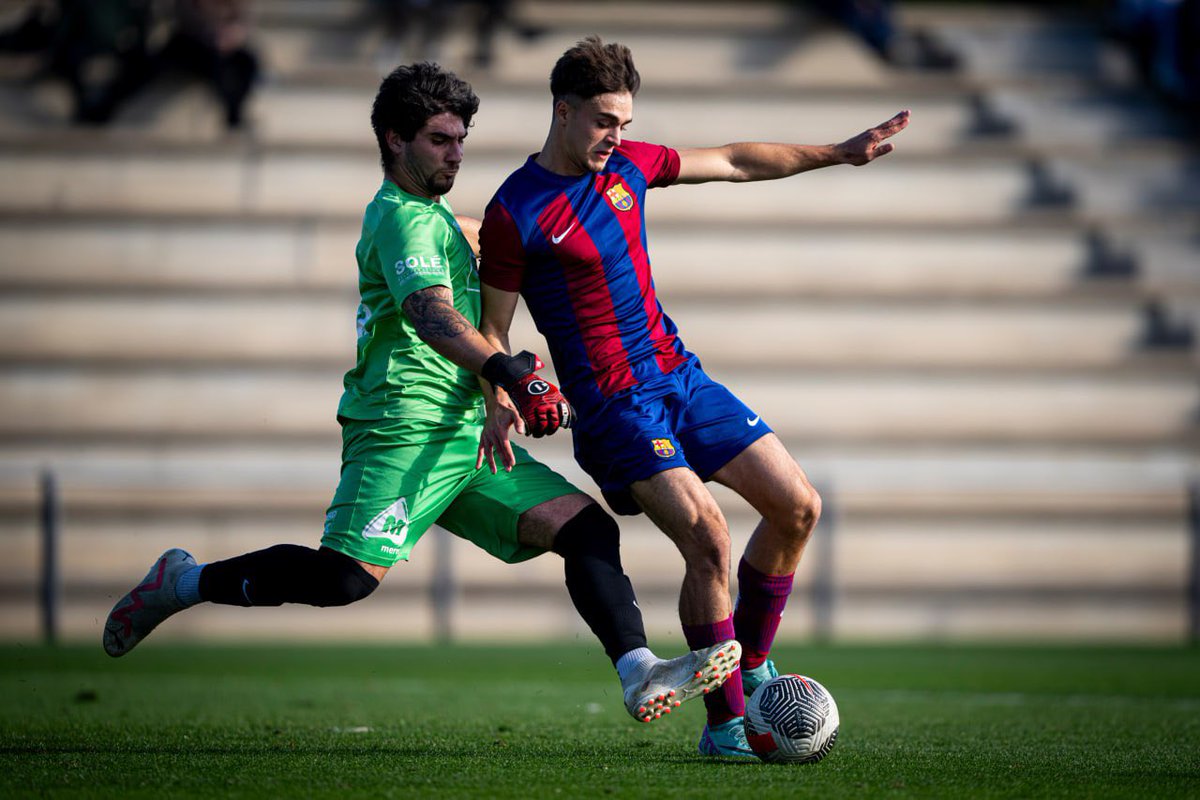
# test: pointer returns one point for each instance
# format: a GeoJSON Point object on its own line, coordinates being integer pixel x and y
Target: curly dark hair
{"type": "Point", "coordinates": [592, 67]}
{"type": "Point", "coordinates": [412, 94]}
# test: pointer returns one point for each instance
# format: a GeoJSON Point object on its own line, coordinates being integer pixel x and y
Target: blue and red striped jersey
{"type": "Point", "coordinates": [575, 248]}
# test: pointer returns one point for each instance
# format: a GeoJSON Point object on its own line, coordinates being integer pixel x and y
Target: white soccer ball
{"type": "Point", "coordinates": [791, 719]}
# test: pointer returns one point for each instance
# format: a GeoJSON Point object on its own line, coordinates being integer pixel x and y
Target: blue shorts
{"type": "Point", "coordinates": [683, 419]}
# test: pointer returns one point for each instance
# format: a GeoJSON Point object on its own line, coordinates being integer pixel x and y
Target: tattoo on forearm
{"type": "Point", "coordinates": [433, 314]}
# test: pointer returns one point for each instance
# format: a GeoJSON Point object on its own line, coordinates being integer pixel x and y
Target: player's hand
{"type": "Point", "coordinates": [541, 405]}
{"type": "Point", "coordinates": [501, 415]}
{"type": "Point", "coordinates": [870, 145]}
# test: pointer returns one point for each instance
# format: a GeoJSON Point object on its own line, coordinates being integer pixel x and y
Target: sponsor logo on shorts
{"type": "Point", "coordinates": [663, 448]}
{"type": "Point", "coordinates": [391, 523]}
{"type": "Point", "coordinates": [621, 199]}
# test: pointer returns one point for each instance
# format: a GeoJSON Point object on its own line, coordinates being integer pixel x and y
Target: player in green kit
{"type": "Point", "coordinates": [416, 431]}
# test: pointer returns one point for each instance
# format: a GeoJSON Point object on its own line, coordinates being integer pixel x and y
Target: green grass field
{"type": "Point", "coordinates": [546, 721]}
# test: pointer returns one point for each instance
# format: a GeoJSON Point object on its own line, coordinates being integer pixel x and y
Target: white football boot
{"type": "Point", "coordinates": [147, 604]}
{"type": "Point", "coordinates": [669, 684]}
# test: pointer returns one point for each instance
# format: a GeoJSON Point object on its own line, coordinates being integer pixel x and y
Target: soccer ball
{"type": "Point", "coordinates": [791, 719]}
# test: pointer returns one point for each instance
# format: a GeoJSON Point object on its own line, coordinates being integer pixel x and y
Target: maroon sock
{"type": "Point", "coordinates": [726, 702]}
{"type": "Point", "coordinates": [756, 616]}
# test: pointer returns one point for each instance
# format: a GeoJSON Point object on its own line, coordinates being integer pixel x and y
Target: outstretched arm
{"type": "Point", "coordinates": [764, 161]}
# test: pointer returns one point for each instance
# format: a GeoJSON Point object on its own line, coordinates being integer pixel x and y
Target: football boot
{"type": "Point", "coordinates": [753, 678]}
{"type": "Point", "coordinates": [147, 604]}
{"type": "Point", "coordinates": [669, 684]}
{"type": "Point", "coordinates": [727, 739]}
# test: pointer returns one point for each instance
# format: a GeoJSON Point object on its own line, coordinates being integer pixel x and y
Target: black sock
{"type": "Point", "coordinates": [286, 573]}
{"type": "Point", "coordinates": [590, 546]}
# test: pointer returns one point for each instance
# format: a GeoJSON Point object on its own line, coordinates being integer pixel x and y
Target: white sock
{"type": "Point", "coordinates": [187, 590]}
{"type": "Point", "coordinates": [635, 662]}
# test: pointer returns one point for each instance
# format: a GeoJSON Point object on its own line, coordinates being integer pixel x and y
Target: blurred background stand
{"type": "Point", "coordinates": [984, 344]}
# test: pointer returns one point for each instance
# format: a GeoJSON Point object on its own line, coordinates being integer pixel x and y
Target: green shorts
{"type": "Point", "coordinates": [401, 476]}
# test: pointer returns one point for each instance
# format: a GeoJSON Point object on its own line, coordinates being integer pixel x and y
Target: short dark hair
{"type": "Point", "coordinates": [592, 67]}
{"type": "Point", "coordinates": [412, 94]}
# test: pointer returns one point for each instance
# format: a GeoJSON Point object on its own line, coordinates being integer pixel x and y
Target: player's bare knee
{"type": "Point", "coordinates": [708, 553]}
{"type": "Point", "coordinates": [807, 510]}
{"type": "Point", "coordinates": [799, 516]}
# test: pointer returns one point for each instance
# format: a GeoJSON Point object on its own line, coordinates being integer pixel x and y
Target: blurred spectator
{"type": "Point", "coordinates": [1189, 49]}
{"type": "Point", "coordinates": [101, 48]}
{"type": "Point", "coordinates": [98, 46]}
{"type": "Point", "coordinates": [35, 31]}
{"type": "Point", "coordinates": [413, 30]}
{"type": "Point", "coordinates": [874, 23]}
{"type": "Point", "coordinates": [211, 41]}
{"type": "Point", "coordinates": [492, 15]}
{"type": "Point", "coordinates": [1164, 37]}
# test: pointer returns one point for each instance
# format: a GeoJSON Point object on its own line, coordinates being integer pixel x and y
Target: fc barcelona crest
{"type": "Point", "coordinates": [663, 448]}
{"type": "Point", "coordinates": [621, 199]}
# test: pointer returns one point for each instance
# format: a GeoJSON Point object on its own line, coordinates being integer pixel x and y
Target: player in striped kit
{"type": "Point", "coordinates": [567, 232]}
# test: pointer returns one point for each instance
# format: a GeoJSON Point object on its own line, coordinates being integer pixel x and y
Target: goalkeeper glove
{"type": "Point", "coordinates": [538, 401]}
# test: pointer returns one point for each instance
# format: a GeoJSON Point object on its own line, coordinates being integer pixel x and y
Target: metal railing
{"type": "Point", "coordinates": [444, 587]}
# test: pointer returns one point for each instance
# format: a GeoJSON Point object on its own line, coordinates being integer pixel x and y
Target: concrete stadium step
{"type": "Point", "coordinates": [714, 56]}
{"type": "Point", "coordinates": [403, 613]}
{"type": "Point", "coordinates": [672, 15]}
{"type": "Point", "coordinates": [118, 252]}
{"type": "Point", "coordinates": [1050, 120]}
{"type": "Point", "coordinates": [1078, 553]}
{"type": "Point", "coordinates": [900, 555]}
{"type": "Point", "coordinates": [510, 118]}
{"type": "Point", "coordinates": [1021, 527]}
{"type": "Point", "coordinates": [254, 183]}
{"type": "Point", "coordinates": [1168, 263]}
{"type": "Point", "coordinates": [818, 405]}
{"type": "Point", "coordinates": [1083, 564]}
{"type": "Point", "coordinates": [1069, 114]}
{"type": "Point", "coordinates": [223, 477]}
{"type": "Point", "coordinates": [300, 331]}
{"type": "Point", "coordinates": [131, 252]}
{"type": "Point", "coordinates": [1026, 41]}
{"type": "Point", "coordinates": [513, 118]}
{"type": "Point", "coordinates": [1127, 185]}
{"type": "Point", "coordinates": [1054, 118]}
{"type": "Point", "coordinates": [1066, 118]}
{"type": "Point", "coordinates": [749, 53]}
{"type": "Point", "coordinates": [317, 183]}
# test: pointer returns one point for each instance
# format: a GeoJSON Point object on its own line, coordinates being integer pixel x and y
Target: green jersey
{"type": "Point", "coordinates": [409, 243]}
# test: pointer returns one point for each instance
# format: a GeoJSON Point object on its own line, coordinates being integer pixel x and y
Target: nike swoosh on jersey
{"type": "Point", "coordinates": [753, 422]}
{"type": "Point", "coordinates": [563, 235]}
